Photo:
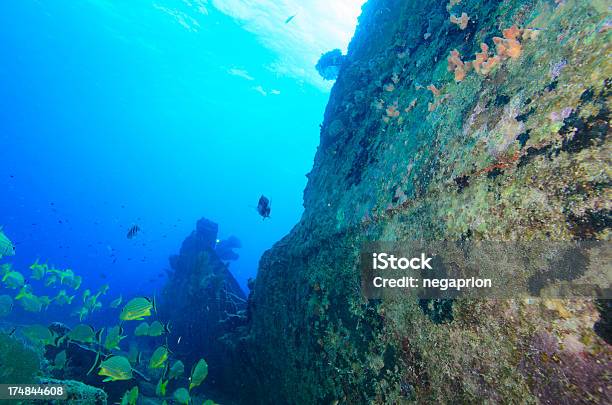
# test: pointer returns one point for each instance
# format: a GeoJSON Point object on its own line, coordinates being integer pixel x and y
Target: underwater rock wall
{"type": "Point", "coordinates": [488, 125]}
{"type": "Point", "coordinates": [18, 362]}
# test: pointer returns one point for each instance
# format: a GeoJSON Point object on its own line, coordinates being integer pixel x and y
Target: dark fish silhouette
{"type": "Point", "coordinates": [133, 231]}
{"type": "Point", "coordinates": [288, 20]}
{"type": "Point", "coordinates": [263, 207]}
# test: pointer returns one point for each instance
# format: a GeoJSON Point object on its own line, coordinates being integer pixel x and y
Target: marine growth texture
{"type": "Point", "coordinates": [449, 120]}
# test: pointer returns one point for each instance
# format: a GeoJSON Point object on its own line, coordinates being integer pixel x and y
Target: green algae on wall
{"type": "Point", "coordinates": [516, 149]}
{"type": "Point", "coordinates": [19, 363]}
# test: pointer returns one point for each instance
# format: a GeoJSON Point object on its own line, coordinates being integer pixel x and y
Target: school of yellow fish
{"type": "Point", "coordinates": [112, 362]}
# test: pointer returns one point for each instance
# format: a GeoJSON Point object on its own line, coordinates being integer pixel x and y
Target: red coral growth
{"type": "Point", "coordinates": [432, 106]}
{"type": "Point", "coordinates": [452, 3]}
{"type": "Point", "coordinates": [393, 111]}
{"type": "Point", "coordinates": [434, 90]}
{"type": "Point", "coordinates": [512, 32]}
{"type": "Point", "coordinates": [501, 164]}
{"type": "Point", "coordinates": [507, 47]}
{"type": "Point", "coordinates": [462, 21]}
{"type": "Point", "coordinates": [436, 93]}
{"type": "Point", "coordinates": [456, 65]}
{"type": "Point", "coordinates": [485, 62]}
{"type": "Point", "coordinates": [510, 45]}
{"type": "Point", "coordinates": [481, 57]}
{"type": "Point", "coordinates": [454, 60]}
{"type": "Point", "coordinates": [490, 64]}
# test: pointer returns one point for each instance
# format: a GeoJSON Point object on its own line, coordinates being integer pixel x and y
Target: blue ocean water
{"type": "Point", "coordinates": [122, 113]}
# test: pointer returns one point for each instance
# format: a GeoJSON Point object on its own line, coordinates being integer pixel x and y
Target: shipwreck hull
{"type": "Point", "coordinates": [515, 149]}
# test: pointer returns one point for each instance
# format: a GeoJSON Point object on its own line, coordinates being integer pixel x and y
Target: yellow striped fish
{"type": "Point", "coordinates": [136, 309]}
{"type": "Point", "coordinates": [6, 246]}
{"type": "Point", "coordinates": [198, 374]}
{"type": "Point", "coordinates": [116, 368]}
{"type": "Point", "coordinates": [130, 397]}
{"type": "Point", "coordinates": [159, 357]}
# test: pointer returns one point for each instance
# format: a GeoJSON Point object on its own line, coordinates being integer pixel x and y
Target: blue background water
{"type": "Point", "coordinates": [115, 114]}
